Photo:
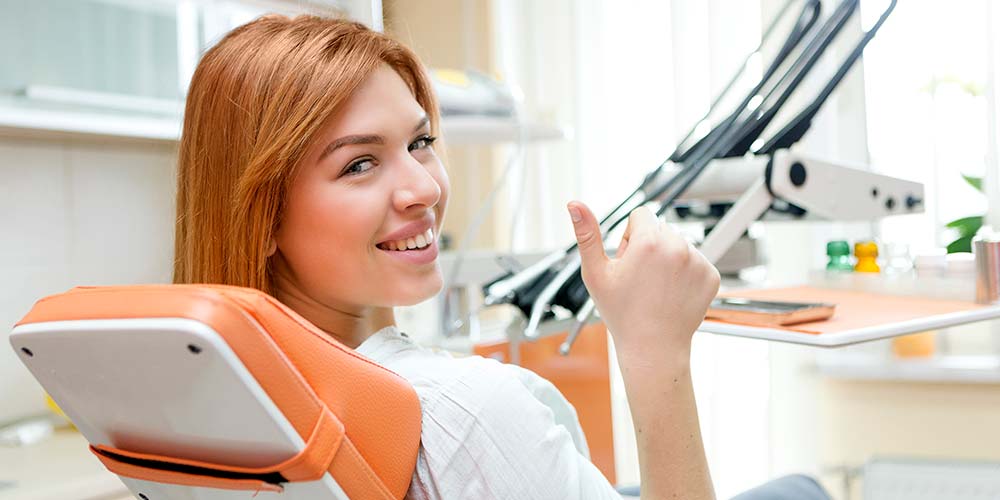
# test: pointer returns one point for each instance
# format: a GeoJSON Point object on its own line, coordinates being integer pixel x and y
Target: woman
{"type": "Point", "coordinates": [307, 170]}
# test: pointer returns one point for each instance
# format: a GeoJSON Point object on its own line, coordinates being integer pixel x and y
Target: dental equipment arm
{"type": "Point", "coordinates": [749, 133]}
{"type": "Point", "coordinates": [814, 7]}
{"type": "Point", "coordinates": [826, 189]}
{"type": "Point", "coordinates": [736, 133]}
{"type": "Point", "coordinates": [538, 287]}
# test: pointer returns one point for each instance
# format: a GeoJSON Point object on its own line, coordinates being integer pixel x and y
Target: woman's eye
{"type": "Point", "coordinates": [359, 167]}
{"type": "Point", "coordinates": [422, 143]}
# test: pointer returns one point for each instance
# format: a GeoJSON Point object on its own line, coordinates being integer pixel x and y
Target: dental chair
{"type": "Point", "coordinates": [217, 392]}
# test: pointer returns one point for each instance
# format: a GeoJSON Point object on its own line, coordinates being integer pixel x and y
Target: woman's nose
{"type": "Point", "coordinates": [415, 186]}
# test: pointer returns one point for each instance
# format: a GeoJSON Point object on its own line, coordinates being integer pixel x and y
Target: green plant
{"type": "Point", "coordinates": [967, 227]}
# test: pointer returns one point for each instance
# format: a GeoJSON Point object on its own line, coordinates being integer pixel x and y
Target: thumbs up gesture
{"type": "Point", "coordinates": [654, 293]}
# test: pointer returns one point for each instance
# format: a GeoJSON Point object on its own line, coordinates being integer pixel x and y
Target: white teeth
{"type": "Point", "coordinates": [418, 241]}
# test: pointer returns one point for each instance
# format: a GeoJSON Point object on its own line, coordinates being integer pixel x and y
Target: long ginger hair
{"type": "Point", "coordinates": [256, 100]}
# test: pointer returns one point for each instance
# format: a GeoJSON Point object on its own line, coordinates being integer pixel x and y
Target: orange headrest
{"type": "Point", "coordinates": [302, 369]}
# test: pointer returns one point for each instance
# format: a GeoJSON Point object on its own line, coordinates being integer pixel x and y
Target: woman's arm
{"type": "Point", "coordinates": [652, 296]}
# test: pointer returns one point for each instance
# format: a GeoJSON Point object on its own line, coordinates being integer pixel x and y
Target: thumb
{"type": "Point", "coordinates": [588, 235]}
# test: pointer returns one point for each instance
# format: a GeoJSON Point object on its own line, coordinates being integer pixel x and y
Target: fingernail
{"type": "Point", "coordinates": [574, 213]}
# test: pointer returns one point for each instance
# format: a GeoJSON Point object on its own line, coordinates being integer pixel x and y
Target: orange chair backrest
{"type": "Point", "coordinates": [360, 421]}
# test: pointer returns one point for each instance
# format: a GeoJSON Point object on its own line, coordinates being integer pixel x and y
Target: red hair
{"type": "Point", "coordinates": [255, 102]}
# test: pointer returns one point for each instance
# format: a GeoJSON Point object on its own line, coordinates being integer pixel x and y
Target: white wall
{"type": "Point", "coordinates": [76, 212]}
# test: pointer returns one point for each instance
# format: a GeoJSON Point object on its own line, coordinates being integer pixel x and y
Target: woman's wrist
{"type": "Point", "coordinates": [654, 354]}
{"type": "Point", "coordinates": [660, 344]}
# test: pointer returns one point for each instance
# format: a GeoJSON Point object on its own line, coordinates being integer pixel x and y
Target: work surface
{"type": "Point", "coordinates": [865, 312]}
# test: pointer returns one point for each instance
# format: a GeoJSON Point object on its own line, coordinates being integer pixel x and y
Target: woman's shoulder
{"type": "Point", "coordinates": [485, 391]}
{"type": "Point", "coordinates": [428, 368]}
{"type": "Point", "coordinates": [435, 372]}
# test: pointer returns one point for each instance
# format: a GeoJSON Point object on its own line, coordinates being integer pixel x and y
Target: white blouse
{"type": "Point", "coordinates": [489, 430]}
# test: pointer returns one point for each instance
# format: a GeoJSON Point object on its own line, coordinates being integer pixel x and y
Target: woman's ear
{"type": "Point", "coordinates": [272, 247]}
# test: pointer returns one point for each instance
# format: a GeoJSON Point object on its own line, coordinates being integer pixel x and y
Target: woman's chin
{"type": "Point", "coordinates": [417, 294]}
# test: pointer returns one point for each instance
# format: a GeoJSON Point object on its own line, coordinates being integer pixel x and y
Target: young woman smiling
{"type": "Point", "coordinates": [307, 170]}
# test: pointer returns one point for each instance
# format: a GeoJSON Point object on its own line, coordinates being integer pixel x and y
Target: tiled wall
{"type": "Point", "coordinates": [76, 212]}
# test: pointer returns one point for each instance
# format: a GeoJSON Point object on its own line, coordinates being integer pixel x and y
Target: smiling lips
{"type": "Point", "coordinates": [412, 243]}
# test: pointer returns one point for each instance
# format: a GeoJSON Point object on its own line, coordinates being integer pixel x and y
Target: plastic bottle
{"type": "Point", "coordinates": [839, 254]}
{"type": "Point", "coordinates": [897, 259]}
{"type": "Point", "coordinates": [866, 253]}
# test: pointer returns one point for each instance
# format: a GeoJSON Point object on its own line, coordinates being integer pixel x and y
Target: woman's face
{"type": "Point", "coordinates": [368, 185]}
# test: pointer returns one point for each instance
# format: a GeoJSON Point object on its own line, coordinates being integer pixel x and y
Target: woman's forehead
{"type": "Point", "coordinates": [383, 103]}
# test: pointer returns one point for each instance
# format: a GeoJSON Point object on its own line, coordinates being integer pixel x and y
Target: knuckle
{"type": "Point", "coordinates": [679, 252]}
{"type": "Point", "coordinates": [634, 214]}
{"type": "Point", "coordinates": [640, 216]}
{"type": "Point", "coordinates": [643, 244]}
{"type": "Point", "coordinates": [710, 276]}
{"type": "Point", "coordinates": [584, 238]}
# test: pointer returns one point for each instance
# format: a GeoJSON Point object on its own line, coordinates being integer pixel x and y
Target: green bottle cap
{"type": "Point", "coordinates": [838, 248]}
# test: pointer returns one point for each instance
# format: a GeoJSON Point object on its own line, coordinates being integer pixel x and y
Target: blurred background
{"type": "Point", "coordinates": [91, 95]}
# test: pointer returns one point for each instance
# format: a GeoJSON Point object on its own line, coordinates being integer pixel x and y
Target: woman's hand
{"type": "Point", "coordinates": [652, 296]}
{"type": "Point", "coordinates": [655, 291]}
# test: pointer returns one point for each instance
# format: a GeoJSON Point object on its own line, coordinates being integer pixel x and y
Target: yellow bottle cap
{"type": "Point", "coordinates": [865, 249]}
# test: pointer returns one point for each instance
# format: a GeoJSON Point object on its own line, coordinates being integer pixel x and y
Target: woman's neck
{"type": "Point", "coordinates": [349, 325]}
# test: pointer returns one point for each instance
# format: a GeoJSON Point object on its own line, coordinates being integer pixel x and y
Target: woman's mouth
{"type": "Point", "coordinates": [421, 249]}
{"type": "Point", "coordinates": [418, 242]}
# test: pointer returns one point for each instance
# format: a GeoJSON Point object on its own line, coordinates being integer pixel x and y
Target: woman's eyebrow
{"type": "Point", "coordinates": [351, 140]}
{"type": "Point", "coordinates": [420, 125]}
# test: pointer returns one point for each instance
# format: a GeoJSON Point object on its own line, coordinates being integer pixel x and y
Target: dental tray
{"type": "Point", "coordinates": [860, 316]}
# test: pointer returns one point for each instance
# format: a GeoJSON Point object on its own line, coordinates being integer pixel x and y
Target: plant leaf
{"type": "Point", "coordinates": [976, 182]}
{"type": "Point", "coordinates": [963, 244]}
{"type": "Point", "coordinates": [967, 226]}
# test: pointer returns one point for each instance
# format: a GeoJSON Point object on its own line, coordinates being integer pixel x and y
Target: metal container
{"type": "Point", "coordinates": [987, 251]}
